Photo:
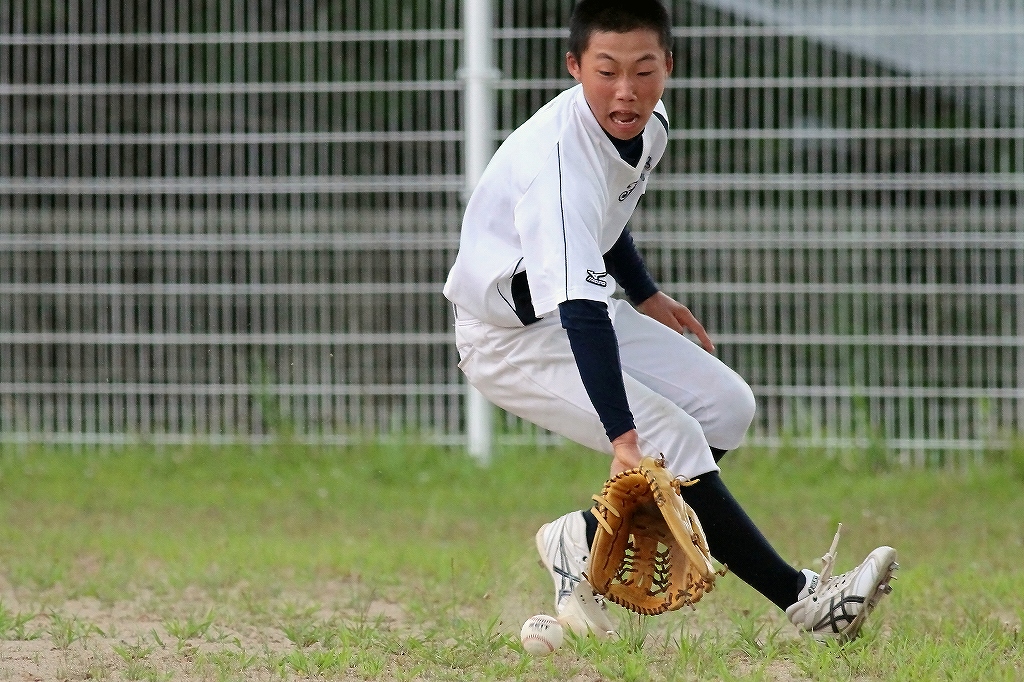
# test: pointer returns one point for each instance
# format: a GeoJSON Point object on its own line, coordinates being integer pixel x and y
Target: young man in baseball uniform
{"type": "Point", "coordinates": [544, 243]}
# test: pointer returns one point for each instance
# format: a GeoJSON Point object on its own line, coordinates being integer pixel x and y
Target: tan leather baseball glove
{"type": "Point", "coordinates": [649, 555]}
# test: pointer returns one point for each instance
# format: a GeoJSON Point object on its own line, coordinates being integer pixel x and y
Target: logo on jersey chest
{"type": "Point", "coordinates": [632, 186]}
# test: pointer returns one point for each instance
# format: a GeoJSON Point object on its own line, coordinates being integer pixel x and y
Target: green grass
{"type": "Point", "coordinates": [407, 562]}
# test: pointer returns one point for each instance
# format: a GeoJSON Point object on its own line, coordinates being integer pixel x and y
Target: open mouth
{"type": "Point", "coordinates": [624, 118]}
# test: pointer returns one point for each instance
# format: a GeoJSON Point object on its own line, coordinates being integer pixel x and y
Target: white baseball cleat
{"type": "Point", "coordinates": [562, 545]}
{"type": "Point", "coordinates": [836, 606]}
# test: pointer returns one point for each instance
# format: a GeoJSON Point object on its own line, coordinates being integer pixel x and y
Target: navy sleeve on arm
{"type": "Point", "coordinates": [592, 339]}
{"type": "Point", "coordinates": [625, 264]}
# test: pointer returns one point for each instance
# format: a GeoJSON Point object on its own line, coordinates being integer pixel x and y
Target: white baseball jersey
{"type": "Point", "coordinates": [553, 200]}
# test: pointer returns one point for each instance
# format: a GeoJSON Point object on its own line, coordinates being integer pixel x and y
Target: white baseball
{"type": "Point", "coordinates": [541, 635]}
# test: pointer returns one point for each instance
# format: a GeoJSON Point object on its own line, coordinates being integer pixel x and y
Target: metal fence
{"type": "Point", "coordinates": [222, 220]}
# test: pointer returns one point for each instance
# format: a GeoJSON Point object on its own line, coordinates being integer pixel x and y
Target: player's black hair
{"type": "Point", "coordinates": [617, 16]}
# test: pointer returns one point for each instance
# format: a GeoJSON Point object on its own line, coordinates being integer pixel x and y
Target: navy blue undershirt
{"type": "Point", "coordinates": [590, 331]}
{"type": "Point", "coordinates": [630, 150]}
{"type": "Point", "coordinates": [624, 263]}
{"type": "Point", "coordinates": [593, 343]}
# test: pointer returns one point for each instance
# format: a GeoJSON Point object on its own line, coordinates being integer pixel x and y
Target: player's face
{"type": "Point", "coordinates": [623, 77]}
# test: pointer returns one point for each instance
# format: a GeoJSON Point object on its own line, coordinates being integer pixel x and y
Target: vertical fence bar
{"type": "Point", "coordinates": [479, 140]}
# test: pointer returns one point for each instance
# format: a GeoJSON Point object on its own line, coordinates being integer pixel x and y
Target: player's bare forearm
{"type": "Point", "coordinates": [676, 316]}
{"type": "Point", "coordinates": [625, 452]}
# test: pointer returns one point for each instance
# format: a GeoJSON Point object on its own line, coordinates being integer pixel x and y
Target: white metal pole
{"type": "Point", "coordinates": [479, 127]}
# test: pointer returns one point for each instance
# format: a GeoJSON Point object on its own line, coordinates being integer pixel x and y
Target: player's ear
{"type": "Point", "coordinates": [573, 65]}
{"type": "Point", "coordinates": [669, 63]}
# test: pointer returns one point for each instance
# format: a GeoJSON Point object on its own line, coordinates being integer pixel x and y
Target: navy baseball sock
{"type": "Point", "coordinates": [735, 541]}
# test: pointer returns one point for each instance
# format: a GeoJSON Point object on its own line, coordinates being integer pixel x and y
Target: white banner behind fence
{"type": "Point", "coordinates": [221, 220]}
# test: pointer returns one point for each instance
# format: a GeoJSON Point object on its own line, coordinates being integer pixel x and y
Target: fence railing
{"type": "Point", "coordinates": [219, 222]}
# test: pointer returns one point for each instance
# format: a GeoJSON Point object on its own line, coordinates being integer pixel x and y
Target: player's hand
{"type": "Point", "coordinates": [677, 316]}
{"type": "Point", "coordinates": [625, 452]}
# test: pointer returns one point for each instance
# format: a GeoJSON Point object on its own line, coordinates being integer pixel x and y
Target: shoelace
{"type": "Point", "coordinates": [828, 560]}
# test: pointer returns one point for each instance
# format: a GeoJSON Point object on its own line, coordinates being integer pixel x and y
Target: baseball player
{"type": "Point", "coordinates": [544, 245]}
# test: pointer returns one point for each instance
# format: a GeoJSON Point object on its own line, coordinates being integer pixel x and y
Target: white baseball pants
{"type": "Point", "coordinates": [683, 398]}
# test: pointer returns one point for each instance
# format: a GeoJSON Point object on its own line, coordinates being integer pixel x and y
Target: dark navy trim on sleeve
{"type": "Point", "coordinates": [664, 121]}
{"type": "Point", "coordinates": [626, 265]}
{"type": "Point", "coordinates": [522, 299]}
{"type": "Point", "coordinates": [593, 343]}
